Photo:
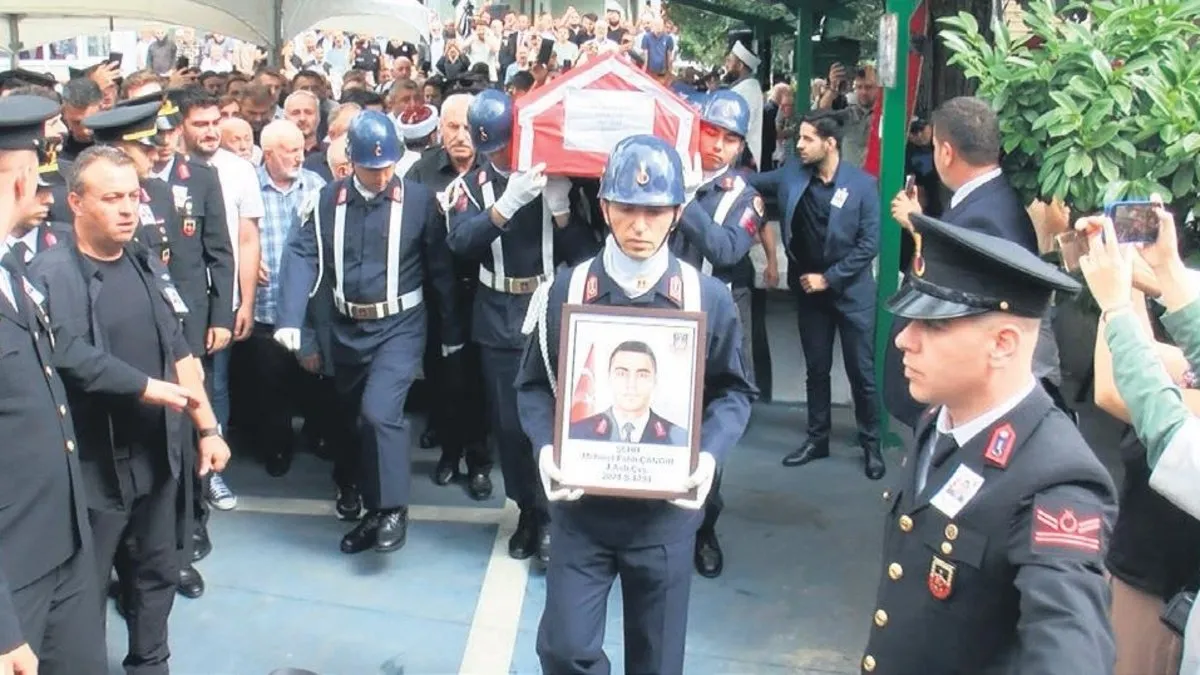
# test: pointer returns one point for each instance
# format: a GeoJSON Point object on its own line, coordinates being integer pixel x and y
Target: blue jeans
{"type": "Point", "coordinates": [217, 381]}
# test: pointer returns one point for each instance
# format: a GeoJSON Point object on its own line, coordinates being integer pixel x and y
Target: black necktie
{"type": "Point", "coordinates": [942, 449]}
{"type": "Point", "coordinates": [15, 267]}
{"type": "Point", "coordinates": [21, 251]}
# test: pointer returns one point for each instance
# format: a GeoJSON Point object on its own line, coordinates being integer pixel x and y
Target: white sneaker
{"type": "Point", "coordinates": [219, 494]}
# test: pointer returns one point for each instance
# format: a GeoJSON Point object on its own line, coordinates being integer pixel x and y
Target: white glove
{"type": "Point", "coordinates": [702, 480]}
{"type": "Point", "coordinates": [557, 195]}
{"type": "Point", "coordinates": [447, 350]}
{"type": "Point", "coordinates": [693, 178]}
{"type": "Point", "coordinates": [523, 187]}
{"type": "Point", "coordinates": [289, 338]}
{"type": "Point", "coordinates": [549, 473]}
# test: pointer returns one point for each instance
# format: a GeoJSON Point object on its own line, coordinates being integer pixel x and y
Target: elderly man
{"type": "Point", "coordinates": [460, 392]}
{"type": "Point", "coordinates": [238, 137]}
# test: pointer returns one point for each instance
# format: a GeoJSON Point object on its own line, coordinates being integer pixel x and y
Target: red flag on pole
{"type": "Point", "coordinates": [583, 398]}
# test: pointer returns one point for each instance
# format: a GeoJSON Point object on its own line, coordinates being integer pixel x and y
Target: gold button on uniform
{"type": "Point", "coordinates": [906, 524]}
{"type": "Point", "coordinates": [887, 494]}
{"type": "Point", "coordinates": [869, 663]}
{"type": "Point", "coordinates": [895, 571]}
{"type": "Point", "coordinates": [881, 618]}
{"type": "Point", "coordinates": [952, 532]}
{"type": "Point", "coordinates": [947, 549]}
{"type": "Point", "coordinates": [70, 446]}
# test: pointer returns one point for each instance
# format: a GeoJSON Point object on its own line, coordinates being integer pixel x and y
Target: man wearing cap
{"type": "Point", "coordinates": [380, 241]}
{"type": "Point", "coordinates": [417, 125]}
{"type": "Point", "coordinates": [457, 418]}
{"type": "Point", "coordinates": [646, 542]}
{"type": "Point", "coordinates": [49, 596]}
{"type": "Point", "coordinates": [993, 553]}
{"type": "Point", "coordinates": [740, 67]}
{"type": "Point", "coordinates": [33, 229]}
{"type": "Point", "coordinates": [716, 230]}
{"type": "Point", "coordinates": [519, 225]}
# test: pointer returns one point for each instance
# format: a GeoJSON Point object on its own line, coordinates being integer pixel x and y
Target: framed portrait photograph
{"type": "Point", "coordinates": [630, 401]}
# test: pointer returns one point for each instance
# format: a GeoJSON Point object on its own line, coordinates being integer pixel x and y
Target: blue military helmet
{"type": "Point", "coordinates": [726, 109]}
{"type": "Point", "coordinates": [372, 141]}
{"type": "Point", "coordinates": [643, 170]}
{"type": "Point", "coordinates": [491, 119]}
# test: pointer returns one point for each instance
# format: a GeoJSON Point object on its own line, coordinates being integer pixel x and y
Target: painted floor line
{"type": "Point", "coordinates": [494, 627]}
{"type": "Point", "coordinates": [289, 506]}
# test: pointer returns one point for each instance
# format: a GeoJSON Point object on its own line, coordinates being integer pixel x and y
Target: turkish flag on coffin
{"type": "Point", "coordinates": [572, 124]}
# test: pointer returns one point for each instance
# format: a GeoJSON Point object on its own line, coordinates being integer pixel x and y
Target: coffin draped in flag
{"type": "Point", "coordinates": [572, 124]}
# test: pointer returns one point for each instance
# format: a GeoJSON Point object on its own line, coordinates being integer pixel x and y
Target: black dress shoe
{"type": "Point", "coordinates": [445, 471]}
{"type": "Point", "coordinates": [810, 451]}
{"type": "Point", "coordinates": [201, 544]}
{"type": "Point", "coordinates": [543, 545]}
{"type": "Point", "coordinates": [349, 503]}
{"type": "Point", "coordinates": [479, 485]}
{"type": "Point", "coordinates": [523, 543]}
{"type": "Point", "coordinates": [279, 463]}
{"type": "Point", "coordinates": [430, 439]}
{"type": "Point", "coordinates": [874, 465]}
{"type": "Point", "coordinates": [709, 559]}
{"type": "Point", "coordinates": [191, 584]}
{"type": "Point", "coordinates": [393, 530]}
{"type": "Point", "coordinates": [364, 535]}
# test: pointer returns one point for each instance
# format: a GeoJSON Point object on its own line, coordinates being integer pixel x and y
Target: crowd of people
{"type": "Point", "coordinates": [242, 248]}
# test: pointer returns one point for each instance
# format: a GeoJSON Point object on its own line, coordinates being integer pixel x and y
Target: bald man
{"type": "Point", "coordinates": [237, 136]}
{"type": "Point", "coordinates": [461, 435]}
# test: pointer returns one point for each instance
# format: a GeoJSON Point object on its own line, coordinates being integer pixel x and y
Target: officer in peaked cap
{"type": "Point", "coordinates": [34, 231]}
{"type": "Point", "coordinates": [19, 77]}
{"type": "Point", "coordinates": [519, 226]}
{"type": "Point", "coordinates": [647, 542]}
{"type": "Point", "coordinates": [390, 237]}
{"type": "Point", "coordinates": [996, 533]}
{"type": "Point", "coordinates": [718, 226]}
{"type": "Point", "coordinates": [48, 588]}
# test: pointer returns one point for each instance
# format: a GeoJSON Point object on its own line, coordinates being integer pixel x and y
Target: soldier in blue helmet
{"type": "Point", "coordinates": [718, 227]}
{"type": "Point", "coordinates": [648, 541]}
{"type": "Point", "coordinates": [382, 241]}
{"type": "Point", "coordinates": [519, 227]}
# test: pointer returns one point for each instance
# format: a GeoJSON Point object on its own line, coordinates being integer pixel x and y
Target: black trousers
{"type": "Point", "coordinates": [62, 619]}
{"type": "Point", "coordinates": [459, 411]}
{"type": "Point", "coordinates": [140, 543]}
{"type": "Point", "coordinates": [522, 482]}
{"type": "Point", "coordinates": [820, 320]}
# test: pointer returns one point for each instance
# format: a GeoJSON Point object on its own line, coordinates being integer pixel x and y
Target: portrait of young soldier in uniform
{"type": "Point", "coordinates": [633, 382]}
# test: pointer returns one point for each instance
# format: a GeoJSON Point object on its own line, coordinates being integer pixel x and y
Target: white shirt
{"type": "Point", "coordinates": [751, 90]}
{"type": "Point", "coordinates": [6, 281]}
{"type": "Point", "coordinates": [639, 426]}
{"type": "Point", "coordinates": [165, 174]}
{"type": "Point", "coordinates": [243, 199]}
{"type": "Point", "coordinates": [963, 433]}
{"type": "Point", "coordinates": [406, 162]}
{"type": "Point", "coordinates": [972, 185]}
{"type": "Point", "coordinates": [30, 241]}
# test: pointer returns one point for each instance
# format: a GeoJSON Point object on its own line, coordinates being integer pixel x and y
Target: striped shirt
{"type": "Point", "coordinates": [282, 212]}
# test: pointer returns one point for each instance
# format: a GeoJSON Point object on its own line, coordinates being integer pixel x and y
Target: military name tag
{"type": "Point", "coordinates": [175, 300]}
{"type": "Point", "coordinates": [957, 492]}
{"type": "Point", "coordinates": [146, 215]}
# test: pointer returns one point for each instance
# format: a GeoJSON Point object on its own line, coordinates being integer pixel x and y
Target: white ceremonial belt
{"type": "Point", "coordinates": [511, 285]}
{"type": "Point", "coordinates": [378, 310]}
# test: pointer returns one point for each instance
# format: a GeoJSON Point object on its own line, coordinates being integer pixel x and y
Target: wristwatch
{"type": "Point", "coordinates": [211, 431]}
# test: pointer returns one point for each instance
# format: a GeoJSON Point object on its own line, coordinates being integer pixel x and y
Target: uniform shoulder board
{"type": "Point", "coordinates": [342, 194]}
{"type": "Point", "coordinates": [396, 193]}
{"type": "Point", "coordinates": [145, 196]}
{"type": "Point", "coordinates": [660, 430]}
{"type": "Point", "coordinates": [483, 177]}
{"type": "Point", "coordinates": [675, 290]}
{"type": "Point", "coordinates": [183, 170]}
{"type": "Point", "coordinates": [759, 207]}
{"type": "Point", "coordinates": [727, 183]}
{"type": "Point", "coordinates": [591, 289]}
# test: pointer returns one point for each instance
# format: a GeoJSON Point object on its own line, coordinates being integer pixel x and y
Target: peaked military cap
{"type": "Point", "coordinates": [168, 113]}
{"type": "Point", "coordinates": [19, 77]}
{"type": "Point", "coordinates": [958, 272]}
{"type": "Point", "coordinates": [49, 174]}
{"type": "Point", "coordinates": [130, 123]}
{"type": "Point", "coordinates": [22, 119]}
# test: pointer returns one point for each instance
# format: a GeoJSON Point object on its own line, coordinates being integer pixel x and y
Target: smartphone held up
{"type": "Point", "coordinates": [1134, 221]}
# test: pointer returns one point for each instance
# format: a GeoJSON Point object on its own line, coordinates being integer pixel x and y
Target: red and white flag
{"type": "Point", "coordinates": [583, 399]}
{"type": "Point", "coordinates": [572, 124]}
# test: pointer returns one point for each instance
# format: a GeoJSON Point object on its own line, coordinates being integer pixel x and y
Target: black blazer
{"type": "Point", "coordinates": [994, 208]}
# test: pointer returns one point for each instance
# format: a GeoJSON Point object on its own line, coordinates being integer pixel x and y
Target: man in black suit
{"type": "Point", "coordinates": [49, 596]}
{"type": "Point", "coordinates": [830, 228]}
{"type": "Point", "coordinates": [966, 154]}
{"type": "Point", "coordinates": [632, 379]}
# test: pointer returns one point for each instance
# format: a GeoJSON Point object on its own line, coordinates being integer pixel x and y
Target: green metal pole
{"type": "Point", "coordinates": [802, 58]}
{"type": "Point", "coordinates": [894, 128]}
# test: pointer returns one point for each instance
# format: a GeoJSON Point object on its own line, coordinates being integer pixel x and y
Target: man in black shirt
{"type": "Point", "coordinates": [116, 295]}
{"type": "Point", "coordinates": [457, 416]}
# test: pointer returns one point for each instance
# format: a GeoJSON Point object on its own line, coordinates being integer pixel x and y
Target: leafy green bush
{"type": "Point", "coordinates": [1097, 110]}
